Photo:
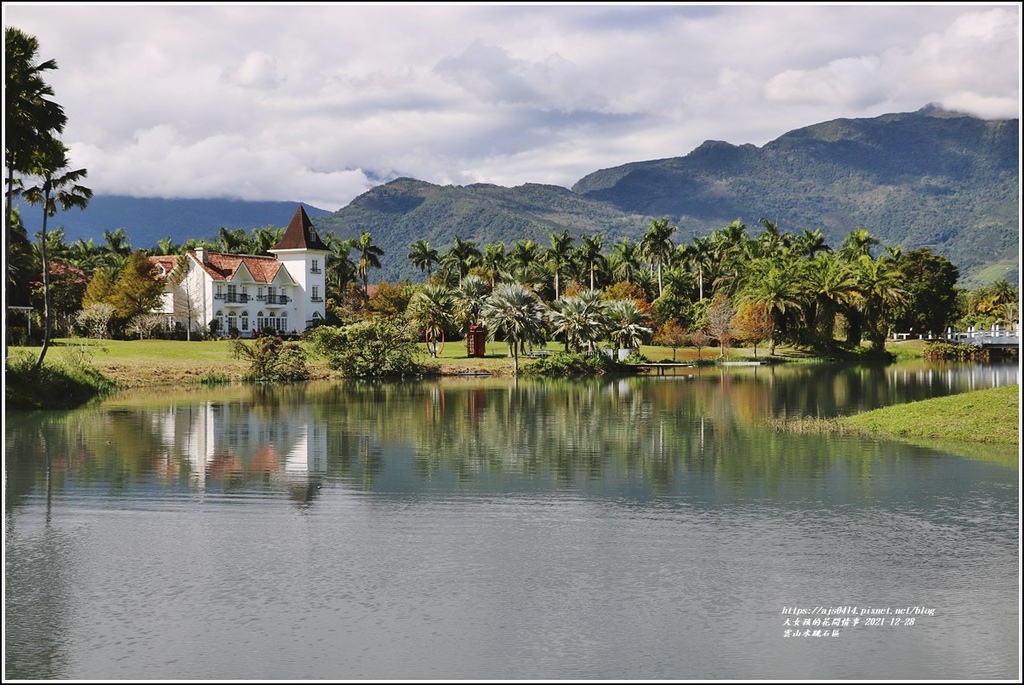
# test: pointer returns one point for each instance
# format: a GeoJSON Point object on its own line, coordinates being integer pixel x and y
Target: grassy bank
{"type": "Point", "coordinates": [990, 416]}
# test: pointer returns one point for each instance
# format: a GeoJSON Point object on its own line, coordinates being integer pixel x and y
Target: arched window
{"type": "Point", "coordinates": [232, 322]}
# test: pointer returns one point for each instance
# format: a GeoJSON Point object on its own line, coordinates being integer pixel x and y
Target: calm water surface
{"type": "Point", "coordinates": [641, 528]}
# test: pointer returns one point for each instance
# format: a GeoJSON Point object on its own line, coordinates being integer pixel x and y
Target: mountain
{"type": "Point", "coordinates": [148, 220]}
{"type": "Point", "coordinates": [930, 178]}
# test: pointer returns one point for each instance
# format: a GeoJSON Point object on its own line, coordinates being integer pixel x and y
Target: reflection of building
{"type": "Point", "coordinates": [234, 440]}
{"type": "Point", "coordinates": [248, 293]}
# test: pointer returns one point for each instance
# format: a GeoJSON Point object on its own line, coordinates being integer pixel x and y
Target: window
{"type": "Point", "coordinates": [315, 294]}
{"type": "Point", "coordinates": [314, 266]}
{"type": "Point", "coordinates": [245, 322]}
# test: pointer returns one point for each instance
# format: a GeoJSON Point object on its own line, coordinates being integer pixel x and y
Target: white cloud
{"type": "Point", "coordinates": [318, 103]}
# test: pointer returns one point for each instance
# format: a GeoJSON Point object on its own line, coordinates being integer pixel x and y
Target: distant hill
{"type": "Point", "coordinates": [148, 220]}
{"type": "Point", "coordinates": [929, 178]}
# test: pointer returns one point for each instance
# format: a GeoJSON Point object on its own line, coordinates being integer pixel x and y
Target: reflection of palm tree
{"type": "Point", "coordinates": [514, 312]}
{"type": "Point", "coordinates": [58, 189]}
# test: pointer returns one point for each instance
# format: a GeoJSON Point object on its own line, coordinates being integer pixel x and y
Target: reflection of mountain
{"type": "Point", "coordinates": [232, 441]}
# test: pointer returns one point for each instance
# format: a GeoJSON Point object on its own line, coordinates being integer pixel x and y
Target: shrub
{"type": "Point", "coordinates": [271, 360]}
{"type": "Point", "coordinates": [570, 364]}
{"type": "Point", "coordinates": [375, 348]}
{"type": "Point", "coordinates": [53, 386]}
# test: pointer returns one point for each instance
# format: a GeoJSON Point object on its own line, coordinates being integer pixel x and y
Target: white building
{"type": "Point", "coordinates": [224, 293]}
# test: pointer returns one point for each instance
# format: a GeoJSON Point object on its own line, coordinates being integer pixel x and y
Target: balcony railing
{"type": "Point", "coordinates": [232, 298]}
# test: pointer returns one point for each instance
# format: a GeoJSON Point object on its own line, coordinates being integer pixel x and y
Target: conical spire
{"type": "Point", "coordinates": [300, 234]}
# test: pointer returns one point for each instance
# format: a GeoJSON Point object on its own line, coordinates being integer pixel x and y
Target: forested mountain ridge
{"type": "Point", "coordinates": [929, 178]}
{"type": "Point", "coordinates": [924, 179]}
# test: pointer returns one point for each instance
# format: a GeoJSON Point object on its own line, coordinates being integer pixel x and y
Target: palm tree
{"type": "Point", "coordinates": [699, 255]}
{"type": "Point", "coordinates": [589, 253]}
{"type": "Point", "coordinates": [31, 119]}
{"type": "Point", "coordinates": [341, 270]}
{"type": "Point", "coordinates": [656, 246]}
{"type": "Point", "coordinates": [776, 284]}
{"type": "Point", "coordinates": [858, 243]}
{"type": "Point", "coordinates": [431, 310]}
{"type": "Point", "coordinates": [494, 262]}
{"type": "Point", "coordinates": [624, 260]}
{"type": "Point", "coordinates": [523, 254]}
{"type": "Point", "coordinates": [516, 313]}
{"type": "Point", "coordinates": [232, 241]}
{"type": "Point", "coordinates": [264, 238]}
{"type": "Point", "coordinates": [369, 258]}
{"type": "Point", "coordinates": [558, 255]}
{"type": "Point", "coordinates": [470, 297]}
{"type": "Point", "coordinates": [627, 325]}
{"type": "Point", "coordinates": [58, 188]}
{"type": "Point", "coordinates": [832, 285]}
{"type": "Point", "coordinates": [810, 243]}
{"type": "Point", "coordinates": [580, 320]}
{"type": "Point", "coordinates": [880, 292]}
{"type": "Point", "coordinates": [423, 256]}
{"type": "Point", "coordinates": [462, 256]}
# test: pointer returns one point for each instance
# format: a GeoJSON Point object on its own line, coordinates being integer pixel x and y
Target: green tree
{"type": "Point", "coordinates": [431, 311]}
{"type": "Point", "coordinates": [369, 258]}
{"type": "Point", "coordinates": [579, 320]}
{"type": "Point", "coordinates": [930, 282]}
{"type": "Point", "coordinates": [656, 246]}
{"type": "Point", "coordinates": [589, 254]}
{"type": "Point", "coordinates": [515, 313]}
{"type": "Point", "coordinates": [558, 256]}
{"type": "Point", "coordinates": [627, 324]}
{"type": "Point", "coordinates": [57, 188]}
{"type": "Point", "coordinates": [423, 256]}
{"type": "Point", "coordinates": [881, 294]}
{"type": "Point", "coordinates": [776, 284]}
{"type": "Point", "coordinates": [136, 291]}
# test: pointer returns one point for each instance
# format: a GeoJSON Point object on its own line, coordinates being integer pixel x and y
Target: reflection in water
{"type": "Point", "coordinates": [645, 527]}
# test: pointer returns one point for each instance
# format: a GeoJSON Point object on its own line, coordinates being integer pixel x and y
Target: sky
{"type": "Point", "coordinates": [318, 103]}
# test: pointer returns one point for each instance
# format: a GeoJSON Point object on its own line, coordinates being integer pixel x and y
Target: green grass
{"type": "Point", "coordinates": [990, 416]}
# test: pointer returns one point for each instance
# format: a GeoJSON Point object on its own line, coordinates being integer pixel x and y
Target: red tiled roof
{"type": "Point", "coordinates": [300, 234]}
{"type": "Point", "coordinates": [222, 267]}
{"type": "Point", "coordinates": [162, 265]}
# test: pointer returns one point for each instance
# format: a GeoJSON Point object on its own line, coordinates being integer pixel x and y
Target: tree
{"type": "Point", "coordinates": [470, 297]}
{"type": "Point", "coordinates": [514, 312]}
{"type": "Point", "coordinates": [671, 334]}
{"type": "Point", "coordinates": [95, 319]}
{"type": "Point", "coordinates": [832, 286]}
{"type": "Point", "coordinates": [589, 253]}
{"type": "Point", "coordinates": [462, 256]}
{"type": "Point", "coordinates": [880, 293]}
{"type": "Point", "coordinates": [431, 311]}
{"type": "Point", "coordinates": [774, 283]}
{"type": "Point", "coordinates": [624, 260]}
{"type": "Point", "coordinates": [423, 256]}
{"type": "Point", "coordinates": [656, 246]}
{"type": "Point", "coordinates": [375, 348]}
{"type": "Point", "coordinates": [719, 321]}
{"type": "Point", "coordinates": [494, 262]}
{"type": "Point", "coordinates": [57, 189]}
{"type": "Point", "coordinates": [699, 339]}
{"type": "Point", "coordinates": [369, 258]}
{"type": "Point", "coordinates": [930, 282]}
{"type": "Point", "coordinates": [32, 121]}
{"type": "Point", "coordinates": [627, 324]}
{"type": "Point", "coordinates": [558, 256]}
{"type": "Point", "coordinates": [579, 320]}
{"type": "Point", "coordinates": [753, 323]}
{"type": "Point", "coordinates": [136, 291]}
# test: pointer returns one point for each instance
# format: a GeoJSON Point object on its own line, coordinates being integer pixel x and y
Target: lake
{"type": "Point", "coordinates": [477, 528]}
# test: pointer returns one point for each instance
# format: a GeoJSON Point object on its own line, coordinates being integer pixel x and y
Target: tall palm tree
{"type": "Point", "coordinates": [470, 297]}
{"type": "Point", "coordinates": [369, 258]}
{"type": "Point", "coordinates": [264, 238]}
{"type": "Point", "coordinates": [31, 119]}
{"type": "Point", "coordinates": [558, 256]}
{"type": "Point", "coordinates": [523, 254]}
{"type": "Point", "coordinates": [423, 256]}
{"type": "Point", "coordinates": [624, 260]}
{"type": "Point", "coordinates": [341, 270]}
{"type": "Point", "coordinates": [880, 291]}
{"type": "Point", "coordinates": [462, 256]}
{"type": "Point", "coordinates": [232, 240]}
{"type": "Point", "coordinates": [810, 243]}
{"type": "Point", "coordinates": [699, 255]}
{"type": "Point", "coordinates": [832, 285]}
{"type": "Point", "coordinates": [776, 284]}
{"type": "Point", "coordinates": [858, 243]}
{"type": "Point", "coordinates": [656, 246]}
{"type": "Point", "coordinates": [589, 253]}
{"type": "Point", "coordinates": [58, 188]}
{"type": "Point", "coordinates": [516, 313]}
{"type": "Point", "coordinates": [494, 262]}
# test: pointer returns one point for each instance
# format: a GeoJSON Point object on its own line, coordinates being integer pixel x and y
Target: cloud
{"type": "Point", "coordinates": [319, 103]}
